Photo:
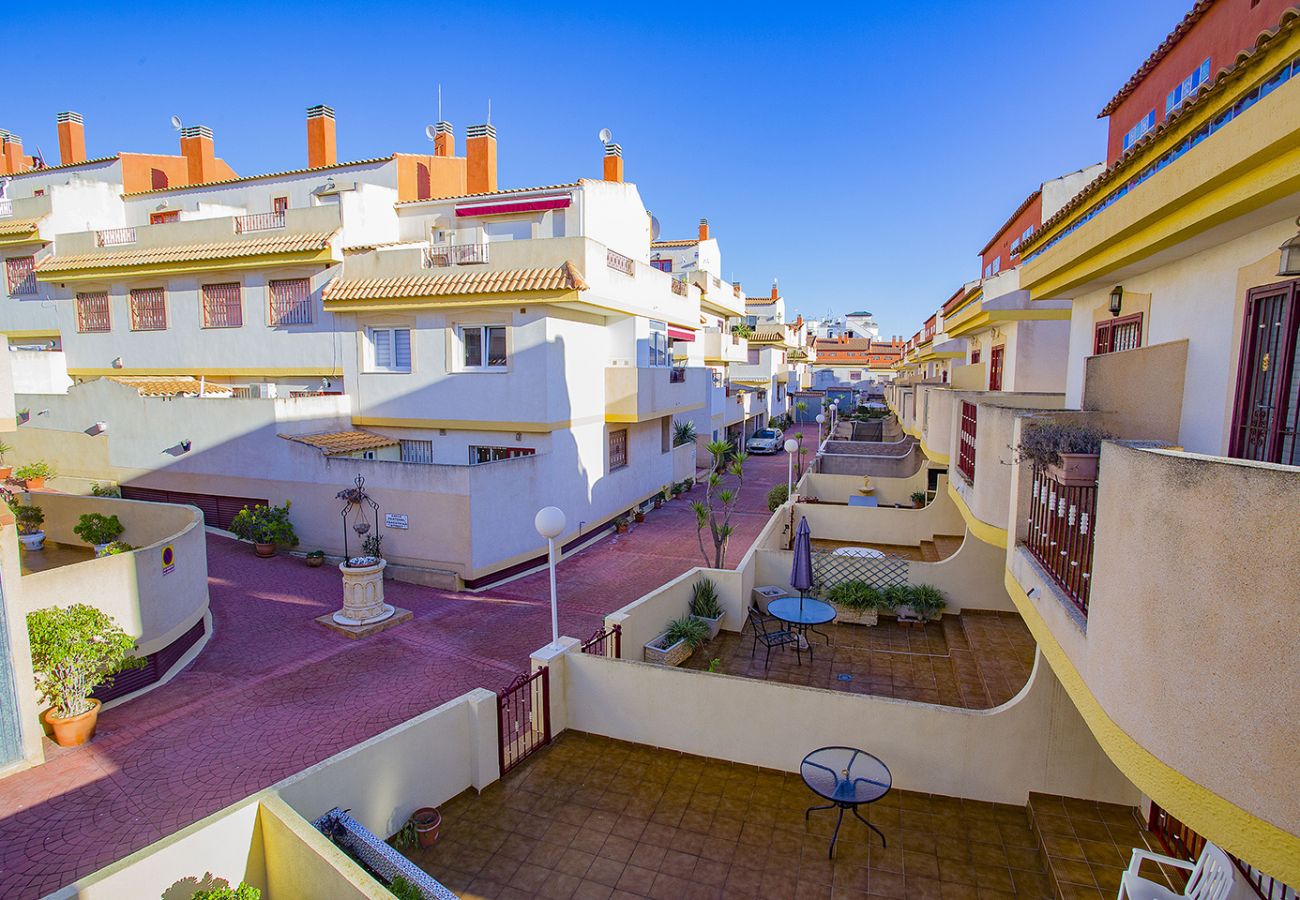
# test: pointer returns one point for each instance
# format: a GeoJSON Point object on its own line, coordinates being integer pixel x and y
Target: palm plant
{"type": "Point", "coordinates": [683, 432]}
{"type": "Point", "coordinates": [719, 501]}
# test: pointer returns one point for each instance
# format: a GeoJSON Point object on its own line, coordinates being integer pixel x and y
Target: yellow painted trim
{"type": "Point", "coordinates": [989, 534]}
{"type": "Point", "coordinates": [993, 316]}
{"type": "Point", "coordinates": [196, 371]}
{"type": "Point", "coordinates": [34, 333]}
{"type": "Point", "coordinates": [473, 424]}
{"type": "Point", "coordinates": [1262, 844]}
{"type": "Point", "coordinates": [940, 458]}
{"type": "Point", "coordinates": [187, 267]}
{"type": "Point", "coordinates": [17, 240]}
{"type": "Point", "coordinates": [626, 419]}
{"type": "Point", "coordinates": [946, 354]}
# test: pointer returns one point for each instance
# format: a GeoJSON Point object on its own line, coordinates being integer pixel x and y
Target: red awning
{"type": "Point", "coordinates": [497, 208]}
{"type": "Point", "coordinates": [681, 334]}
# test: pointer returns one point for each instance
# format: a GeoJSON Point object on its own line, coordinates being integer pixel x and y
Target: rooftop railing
{"type": "Point", "coordinates": [266, 221]}
{"type": "Point", "coordinates": [620, 263]}
{"type": "Point", "coordinates": [6, 208]}
{"type": "Point", "coordinates": [113, 237]}
{"type": "Point", "coordinates": [456, 255]}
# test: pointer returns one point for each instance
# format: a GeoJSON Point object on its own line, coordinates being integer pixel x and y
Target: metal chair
{"type": "Point", "coordinates": [775, 638]}
{"type": "Point", "coordinates": [1213, 877]}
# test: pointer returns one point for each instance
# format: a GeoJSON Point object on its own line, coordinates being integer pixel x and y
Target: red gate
{"type": "Point", "coordinates": [523, 718]}
{"type": "Point", "coordinates": [605, 643]}
{"type": "Point", "coordinates": [966, 441]}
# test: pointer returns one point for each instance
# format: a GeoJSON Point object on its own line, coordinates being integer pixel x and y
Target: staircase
{"type": "Point", "coordinates": [940, 547]}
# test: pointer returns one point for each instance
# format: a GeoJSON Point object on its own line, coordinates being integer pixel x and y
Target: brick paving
{"type": "Point", "coordinates": [273, 692]}
{"type": "Point", "coordinates": [599, 819]}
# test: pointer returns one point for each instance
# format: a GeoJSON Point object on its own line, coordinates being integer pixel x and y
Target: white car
{"type": "Point", "coordinates": [765, 440]}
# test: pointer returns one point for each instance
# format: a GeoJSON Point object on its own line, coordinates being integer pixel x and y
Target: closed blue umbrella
{"type": "Point", "coordinates": [801, 578]}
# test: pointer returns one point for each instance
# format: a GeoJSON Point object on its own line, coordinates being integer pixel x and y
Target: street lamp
{"type": "Point", "coordinates": [791, 448]}
{"type": "Point", "coordinates": [550, 523]}
{"type": "Point", "coordinates": [821, 418]}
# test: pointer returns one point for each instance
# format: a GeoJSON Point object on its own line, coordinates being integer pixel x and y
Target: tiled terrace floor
{"type": "Point", "coordinates": [591, 817]}
{"type": "Point", "coordinates": [975, 660]}
{"type": "Point", "coordinates": [936, 550]}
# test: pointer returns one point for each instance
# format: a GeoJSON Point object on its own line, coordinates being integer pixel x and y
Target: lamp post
{"type": "Point", "coordinates": [821, 417]}
{"type": "Point", "coordinates": [550, 523]}
{"type": "Point", "coordinates": [791, 448]}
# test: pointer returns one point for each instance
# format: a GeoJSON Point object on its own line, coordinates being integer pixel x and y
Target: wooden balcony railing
{"type": "Point", "coordinates": [112, 237]}
{"type": "Point", "coordinates": [620, 263]}
{"type": "Point", "coordinates": [1062, 524]}
{"type": "Point", "coordinates": [966, 442]}
{"type": "Point", "coordinates": [259, 222]}
{"type": "Point", "coordinates": [456, 255]}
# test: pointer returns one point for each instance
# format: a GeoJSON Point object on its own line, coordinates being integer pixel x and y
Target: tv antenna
{"type": "Point", "coordinates": [440, 102]}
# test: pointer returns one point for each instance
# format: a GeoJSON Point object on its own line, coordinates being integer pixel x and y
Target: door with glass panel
{"type": "Point", "coordinates": [1268, 380]}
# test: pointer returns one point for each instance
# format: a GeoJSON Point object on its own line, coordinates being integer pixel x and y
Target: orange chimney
{"type": "Point", "coordinates": [72, 138]}
{"type": "Point", "coordinates": [199, 152]}
{"type": "Point", "coordinates": [480, 159]}
{"type": "Point", "coordinates": [704, 229]}
{"type": "Point", "coordinates": [775, 294]}
{"type": "Point", "coordinates": [444, 139]}
{"type": "Point", "coordinates": [613, 162]}
{"type": "Point", "coordinates": [12, 151]}
{"type": "Point", "coordinates": [322, 148]}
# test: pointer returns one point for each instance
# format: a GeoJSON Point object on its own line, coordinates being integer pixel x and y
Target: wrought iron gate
{"type": "Point", "coordinates": [523, 718]}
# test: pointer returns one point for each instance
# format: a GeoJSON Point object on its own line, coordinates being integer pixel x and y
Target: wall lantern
{"type": "Point", "coordinates": [1116, 299]}
{"type": "Point", "coordinates": [1290, 265]}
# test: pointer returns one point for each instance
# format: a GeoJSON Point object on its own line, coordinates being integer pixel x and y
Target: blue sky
{"type": "Point", "coordinates": [862, 153]}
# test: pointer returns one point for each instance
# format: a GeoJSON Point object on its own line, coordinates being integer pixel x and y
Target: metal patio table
{"type": "Point", "coordinates": [801, 616]}
{"type": "Point", "coordinates": [849, 778]}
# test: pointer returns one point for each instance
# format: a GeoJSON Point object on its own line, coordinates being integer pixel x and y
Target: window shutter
{"type": "Point", "coordinates": [382, 339]}
{"type": "Point", "coordinates": [402, 348]}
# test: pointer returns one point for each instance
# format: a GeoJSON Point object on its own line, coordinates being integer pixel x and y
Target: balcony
{"type": "Point", "coordinates": [267, 221]}
{"type": "Point", "coordinates": [114, 237]}
{"type": "Point", "coordinates": [456, 255]}
{"type": "Point", "coordinates": [722, 346]}
{"type": "Point", "coordinates": [6, 208]}
{"type": "Point", "coordinates": [641, 393]}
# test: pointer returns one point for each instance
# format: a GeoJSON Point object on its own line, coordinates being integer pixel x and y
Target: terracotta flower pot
{"type": "Point", "coordinates": [621, 529]}
{"type": "Point", "coordinates": [5, 472]}
{"type": "Point", "coordinates": [315, 562]}
{"type": "Point", "coordinates": [265, 551]}
{"type": "Point", "coordinates": [45, 722]}
{"type": "Point", "coordinates": [77, 730]}
{"type": "Point", "coordinates": [640, 517]}
{"type": "Point", "coordinates": [35, 484]}
{"type": "Point", "coordinates": [1076, 469]}
{"type": "Point", "coordinates": [427, 821]}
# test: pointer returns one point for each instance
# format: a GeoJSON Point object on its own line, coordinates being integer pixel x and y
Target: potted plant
{"type": "Point", "coordinates": [115, 547]}
{"type": "Point", "coordinates": [315, 559]}
{"type": "Point", "coordinates": [687, 484]}
{"type": "Point", "coordinates": [639, 515]}
{"type": "Point", "coordinates": [620, 525]}
{"type": "Point", "coordinates": [33, 475]}
{"type": "Point", "coordinates": [918, 499]}
{"type": "Point", "coordinates": [1067, 452]}
{"type": "Point", "coordinates": [30, 519]}
{"type": "Point", "coordinates": [74, 651]}
{"type": "Point", "coordinates": [105, 490]}
{"type": "Point", "coordinates": [677, 642]}
{"type": "Point", "coordinates": [267, 527]}
{"type": "Point", "coordinates": [706, 606]}
{"type": "Point", "coordinates": [678, 489]}
{"type": "Point", "coordinates": [426, 821]}
{"type": "Point", "coordinates": [855, 602]}
{"type": "Point", "coordinates": [925, 602]}
{"type": "Point", "coordinates": [660, 497]}
{"type": "Point", "coordinates": [5, 469]}
{"type": "Point", "coordinates": [98, 529]}
{"type": "Point", "coordinates": [223, 890]}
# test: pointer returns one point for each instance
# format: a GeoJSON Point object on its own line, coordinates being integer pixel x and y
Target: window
{"type": "Point", "coordinates": [148, 309]}
{"type": "Point", "coordinates": [279, 205]}
{"type": "Point", "coordinates": [417, 452]}
{"type": "Point", "coordinates": [617, 449]}
{"type": "Point", "coordinates": [223, 306]}
{"type": "Point", "coordinates": [20, 272]}
{"type": "Point", "coordinates": [975, 356]}
{"type": "Point", "coordinates": [1113, 335]}
{"type": "Point", "coordinates": [484, 346]}
{"type": "Point", "coordinates": [290, 302]}
{"type": "Point", "coordinates": [665, 434]}
{"type": "Point", "coordinates": [1145, 124]}
{"type": "Point", "coordinates": [995, 367]}
{"type": "Point", "coordinates": [390, 349]}
{"type": "Point", "coordinates": [663, 265]}
{"type": "Point", "coordinates": [92, 312]}
{"type": "Point", "coordinates": [994, 267]}
{"type": "Point", "coordinates": [1199, 76]}
{"type": "Point", "coordinates": [855, 375]}
{"type": "Point", "coordinates": [162, 218]}
{"type": "Point", "coordinates": [480, 455]}
{"type": "Point", "coordinates": [659, 355]}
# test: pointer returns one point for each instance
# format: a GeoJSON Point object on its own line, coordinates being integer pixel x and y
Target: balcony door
{"type": "Point", "coordinates": [995, 367]}
{"type": "Point", "coordinates": [1267, 409]}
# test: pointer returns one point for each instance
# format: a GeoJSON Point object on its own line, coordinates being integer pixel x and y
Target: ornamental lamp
{"type": "Point", "coordinates": [1290, 264]}
{"type": "Point", "coordinates": [1116, 299]}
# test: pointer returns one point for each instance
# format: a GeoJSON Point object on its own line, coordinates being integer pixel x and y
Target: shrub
{"type": "Point", "coordinates": [74, 651]}
{"type": "Point", "coordinates": [33, 470]}
{"type": "Point", "coordinates": [856, 595]}
{"type": "Point", "coordinates": [116, 547]}
{"type": "Point", "coordinates": [29, 518]}
{"type": "Point", "coordinates": [777, 496]}
{"type": "Point", "coordinates": [97, 528]}
{"type": "Point", "coordinates": [5, 450]}
{"type": "Point", "coordinates": [926, 600]}
{"type": "Point", "coordinates": [1043, 444]}
{"type": "Point", "coordinates": [683, 432]}
{"type": "Point", "coordinates": [404, 890]}
{"type": "Point", "coordinates": [105, 490]}
{"type": "Point", "coordinates": [315, 554]}
{"type": "Point", "coordinates": [245, 891]}
{"type": "Point", "coordinates": [894, 596]}
{"type": "Point", "coordinates": [694, 632]}
{"type": "Point", "coordinates": [265, 525]}
{"type": "Point", "coordinates": [704, 600]}
{"type": "Point", "coordinates": [918, 497]}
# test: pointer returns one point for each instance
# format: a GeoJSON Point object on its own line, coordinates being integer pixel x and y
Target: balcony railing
{"type": "Point", "coordinates": [6, 208]}
{"type": "Point", "coordinates": [679, 287]}
{"type": "Point", "coordinates": [1062, 524]}
{"type": "Point", "coordinates": [259, 222]}
{"type": "Point", "coordinates": [112, 237]}
{"type": "Point", "coordinates": [456, 255]}
{"type": "Point", "coordinates": [966, 443]}
{"type": "Point", "coordinates": [620, 263]}
{"type": "Point", "coordinates": [677, 375]}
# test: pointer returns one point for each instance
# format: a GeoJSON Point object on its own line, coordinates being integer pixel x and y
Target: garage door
{"type": "Point", "coordinates": [218, 510]}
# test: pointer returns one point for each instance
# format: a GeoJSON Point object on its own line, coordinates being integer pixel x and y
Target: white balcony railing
{"type": "Point", "coordinates": [620, 263]}
{"type": "Point", "coordinates": [6, 208]}
{"type": "Point", "coordinates": [113, 237]}
{"type": "Point", "coordinates": [266, 221]}
{"type": "Point", "coordinates": [456, 255]}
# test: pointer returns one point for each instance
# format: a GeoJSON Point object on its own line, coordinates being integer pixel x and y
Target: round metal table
{"type": "Point", "coordinates": [847, 777]}
{"type": "Point", "coordinates": [802, 615]}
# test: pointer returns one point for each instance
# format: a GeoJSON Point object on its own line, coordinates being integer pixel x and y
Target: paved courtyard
{"type": "Point", "coordinates": [273, 692]}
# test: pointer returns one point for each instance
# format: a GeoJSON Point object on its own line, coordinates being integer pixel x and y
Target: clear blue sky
{"type": "Point", "coordinates": [862, 153]}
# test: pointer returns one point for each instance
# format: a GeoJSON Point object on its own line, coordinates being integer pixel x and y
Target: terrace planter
{"type": "Point", "coordinates": [845, 615]}
{"type": "Point", "coordinates": [33, 541]}
{"type": "Point", "coordinates": [715, 625]}
{"type": "Point", "coordinates": [315, 562]}
{"type": "Point", "coordinates": [76, 730]}
{"type": "Point", "coordinates": [35, 484]}
{"type": "Point", "coordinates": [265, 551]}
{"type": "Point", "coordinates": [907, 614]}
{"type": "Point", "coordinates": [673, 655]}
{"type": "Point", "coordinates": [1076, 469]}
{"type": "Point", "coordinates": [5, 472]}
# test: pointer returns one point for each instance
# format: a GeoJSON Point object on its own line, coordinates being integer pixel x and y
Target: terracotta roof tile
{"type": "Point", "coordinates": [331, 443]}
{"type": "Point", "coordinates": [562, 278]}
{"type": "Point", "coordinates": [169, 385]}
{"type": "Point", "coordinates": [1193, 16]}
{"type": "Point", "coordinates": [9, 227]}
{"type": "Point", "coordinates": [171, 253]}
{"type": "Point", "coordinates": [84, 162]}
{"type": "Point", "coordinates": [767, 337]}
{"type": "Point", "coordinates": [1015, 215]}
{"type": "Point", "coordinates": [673, 243]}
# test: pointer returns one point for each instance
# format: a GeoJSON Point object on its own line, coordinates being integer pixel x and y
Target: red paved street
{"type": "Point", "coordinates": [273, 692]}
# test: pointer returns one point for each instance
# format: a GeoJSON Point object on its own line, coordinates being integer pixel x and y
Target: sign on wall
{"type": "Point", "coordinates": [392, 520]}
{"type": "Point", "coordinates": [168, 559]}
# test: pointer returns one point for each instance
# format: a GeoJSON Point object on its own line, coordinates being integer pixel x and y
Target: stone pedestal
{"type": "Point", "coordinates": [363, 596]}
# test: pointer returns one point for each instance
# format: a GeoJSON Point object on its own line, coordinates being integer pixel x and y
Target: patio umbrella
{"type": "Point", "coordinates": [801, 572]}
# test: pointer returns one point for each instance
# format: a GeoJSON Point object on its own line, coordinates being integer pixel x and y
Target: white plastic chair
{"type": "Point", "coordinates": [1213, 877]}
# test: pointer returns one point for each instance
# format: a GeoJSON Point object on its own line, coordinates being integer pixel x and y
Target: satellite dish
{"type": "Point", "coordinates": [606, 135]}
{"type": "Point", "coordinates": [176, 122]}
{"type": "Point", "coordinates": [654, 228]}
{"type": "Point", "coordinates": [429, 132]}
